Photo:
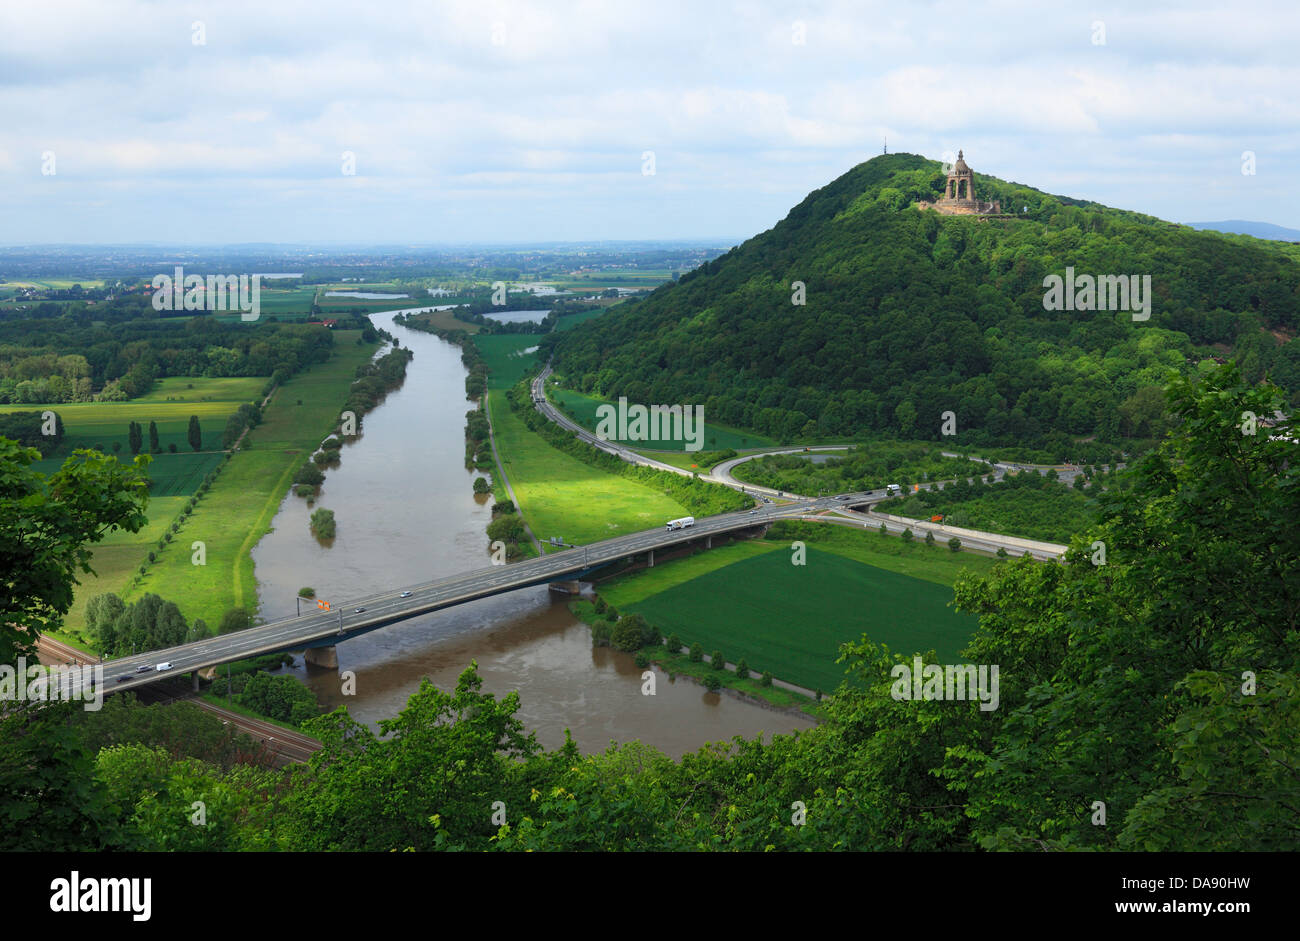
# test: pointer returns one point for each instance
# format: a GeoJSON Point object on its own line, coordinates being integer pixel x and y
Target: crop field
{"type": "Point", "coordinates": [506, 359]}
{"type": "Point", "coordinates": [791, 619]}
{"type": "Point", "coordinates": [170, 404]}
{"type": "Point", "coordinates": [561, 496]}
{"type": "Point", "coordinates": [582, 409]}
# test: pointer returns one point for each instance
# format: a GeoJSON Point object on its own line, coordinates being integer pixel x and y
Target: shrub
{"type": "Point", "coordinates": [626, 635]}
{"type": "Point", "coordinates": [674, 644]}
{"type": "Point", "coordinates": [712, 683]}
{"type": "Point", "coordinates": [151, 557]}
{"type": "Point", "coordinates": [954, 544]}
{"type": "Point", "coordinates": [642, 660]}
{"type": "Point", "coordinates": [306, 592]}
{"type": "Point", "coordinates": [716, 660]}
{"type": "Point", "coordinates": [742, 669]}
{"type": "Point", "coordinates": [884, 531]}
{"type": "Point", "coordinates": [322, 523]}
{"type": "Point", "coordinates": [907, 535]}
{"type": "Point", "coordinates": [310, 475]}
{"type": "Point", "coordinates": [1002, 552]}
{"type": "Point", "coordinates": [929, 537]}
{"type": "Point", "coordinates": [765, 679]}
{"type": "Point", "coordinates": [481, 485]}
{"type": "Point", "coordinates": [600, 633]}
{"type": "Point", "coordinates": [601, 607]}
{"type": "Point", "coordinates": [697, 653]}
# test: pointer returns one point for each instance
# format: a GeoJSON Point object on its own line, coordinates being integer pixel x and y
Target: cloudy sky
{"type": "Point", "coordinates": [485, 120]}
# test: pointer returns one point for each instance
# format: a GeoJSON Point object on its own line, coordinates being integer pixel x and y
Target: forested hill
{"type": "Point", "coordinates": [911, 313]}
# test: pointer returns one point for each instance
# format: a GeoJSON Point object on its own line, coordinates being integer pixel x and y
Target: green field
{"type": "Point", "coordinates": [790, 619]}
{"type": "Point", "coordinates": [506, 359]}
{"type": "Point", "coordinates": [238, 510]}
{"type": "Point", "coordinates": [572, 320]}
{"type": "Point", "coordinates": [915, 559]}
{"type": "Point", "coordinates": [561, 496]}
{"type": "Point", "coordinates": [117, 557]}
{"type": "Point", "coordinates": [170, 404]}
{"type": "Point", "coordinates": [582, 409]}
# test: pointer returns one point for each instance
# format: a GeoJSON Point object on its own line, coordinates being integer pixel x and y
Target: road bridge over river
{"type": "Point", "coordinates": [360, 615]}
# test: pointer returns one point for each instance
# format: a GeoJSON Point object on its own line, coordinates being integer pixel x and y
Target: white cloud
{"type": "Point", "coordinates": [744, 121]}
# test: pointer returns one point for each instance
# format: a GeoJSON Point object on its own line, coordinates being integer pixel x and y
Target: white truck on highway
{"type": "Point", "coordinates": [681, 523]}
{"type": "Point", "coordinates": [893, 489]}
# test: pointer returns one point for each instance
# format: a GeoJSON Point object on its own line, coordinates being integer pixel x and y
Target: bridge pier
{"type": "Point", "coordinates": [322, 657]}
{"type": "Point", "coordinates": [708, 541]}
{"type": "Point", "coordinates": [569, 587]}
{"type": "Point", "coordinates": [195, 677]}
{"type": "Point", "coordinates": [650, 559]}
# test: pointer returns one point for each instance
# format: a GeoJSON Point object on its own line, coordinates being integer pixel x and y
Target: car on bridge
{"type": "Point", "coordinates": [164, 666]}
{"type": "Point", "coordinates": [360, 610]}
{"type": "Point", "coordinates": [143, 668]}
{"type": "Point", "coordinates": [405, 594]}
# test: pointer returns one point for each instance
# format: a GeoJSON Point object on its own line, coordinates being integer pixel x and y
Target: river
{"type": "Point", "coordinates": [406, 513]}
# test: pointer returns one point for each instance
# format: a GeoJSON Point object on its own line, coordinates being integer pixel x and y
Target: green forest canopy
{"type": "Point", "coordinates": [910, 313]}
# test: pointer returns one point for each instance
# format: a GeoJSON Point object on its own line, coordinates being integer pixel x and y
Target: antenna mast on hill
{"type": "Point", "coordinates": [886, 145]}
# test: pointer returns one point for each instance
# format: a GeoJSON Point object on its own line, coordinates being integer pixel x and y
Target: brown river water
{"type": "Point", "coordinates": [406, 513]}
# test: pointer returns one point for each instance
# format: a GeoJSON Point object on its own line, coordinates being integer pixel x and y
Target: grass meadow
{"type": "Point", "coordinates": [237, 511]}
{"type": "Point", "coordinates": [561, 496]}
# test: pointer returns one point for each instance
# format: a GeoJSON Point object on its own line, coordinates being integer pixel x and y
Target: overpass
{"type": "Point", "coordinates": [368, 613]}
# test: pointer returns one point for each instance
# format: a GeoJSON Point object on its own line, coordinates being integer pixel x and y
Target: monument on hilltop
{"type": "Point", "coordinates": [959, 194]}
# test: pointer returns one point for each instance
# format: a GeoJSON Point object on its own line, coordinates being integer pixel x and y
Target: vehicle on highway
{"type": "Point", "coordinates": [164, 666]}
{"type": "Point", "coordinates": [767, 500]}
{"type": "Point", "coordinates": [124, 678]}
{"type": "Point", "coordinates": [893, 489]}
{"type": "Point", "coordinates": [143, 668]}
{"type": "Point", "coordinates": [360, 610]}
{"type": "Point", "coordinates": [843, 497]}
{"type": "Point", "coordinates": [405, 594]}
{"type": "Point", "coordinates": [681, 523]}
